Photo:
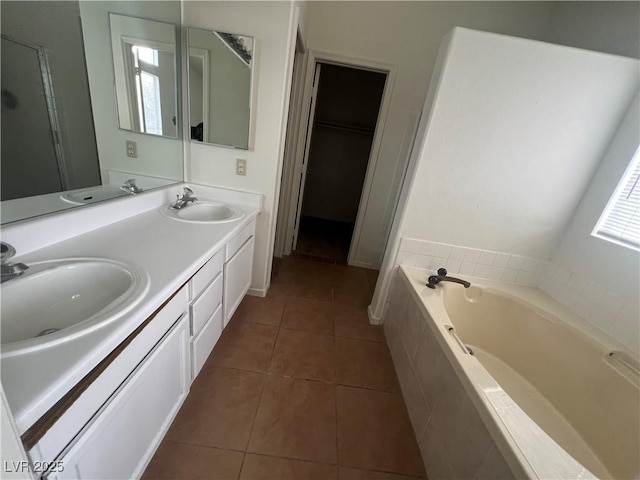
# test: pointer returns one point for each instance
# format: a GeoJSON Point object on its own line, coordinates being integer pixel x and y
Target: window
{"type": "Point", "coordinates": [620, 221]}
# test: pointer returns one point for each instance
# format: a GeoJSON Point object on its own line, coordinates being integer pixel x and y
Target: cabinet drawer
{"type": "Point", "coordinates": [203, 344]}
{"type": "Point", "coordinates": [208, 272]}
{"type": "Point", "coordinates": [205, 305]}
{"type": "Point", "coordinates": [236, 242]}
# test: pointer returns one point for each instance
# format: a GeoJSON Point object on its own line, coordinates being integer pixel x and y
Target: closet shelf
{"type": "Point", "coordinates": [344, 127]}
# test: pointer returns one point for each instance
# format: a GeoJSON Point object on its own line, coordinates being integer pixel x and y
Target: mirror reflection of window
{"type": "Point", "coordinates": [147, 89]}
{"type": "Point", "coordinates": [144, 61]}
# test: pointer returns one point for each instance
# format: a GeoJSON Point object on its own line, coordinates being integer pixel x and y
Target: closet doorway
{"type": "Point", "coordinates": [344, 112]}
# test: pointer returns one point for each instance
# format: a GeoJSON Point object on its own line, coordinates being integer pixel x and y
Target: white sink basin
{"type": "Point", "coordinates": [204, 212]}
{"type": "Point", "coordinates": [55, 301]}
{"type": "Point", "coordinates": [93, 194]}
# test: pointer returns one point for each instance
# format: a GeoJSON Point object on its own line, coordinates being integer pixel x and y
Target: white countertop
{"type": "Point", "coordinates": [167, 250]}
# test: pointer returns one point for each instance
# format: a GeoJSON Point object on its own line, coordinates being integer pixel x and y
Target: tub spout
{"type": "Point", "coordinates": [442, 277]}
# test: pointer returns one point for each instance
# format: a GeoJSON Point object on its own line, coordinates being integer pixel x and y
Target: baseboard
{"type": "Point", "coordinates": [362, 264]}
{"type": "Point", "coordinates": [258, 292]}
{"type": "Point", "coordinates": [372, 318]}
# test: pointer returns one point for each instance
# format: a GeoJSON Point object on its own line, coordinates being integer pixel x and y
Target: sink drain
{"type": "Point", "coordinates": [48, 331]}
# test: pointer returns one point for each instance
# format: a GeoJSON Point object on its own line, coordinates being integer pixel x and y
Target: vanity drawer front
{"type": "Point", "coordinates": [236, 242]}
{"type": "Point", "coordinates": [208, 272]}
{"type": "Point", "coordinates": [205, 304]}
{"type": "Point", "coordinates": [203, 344]}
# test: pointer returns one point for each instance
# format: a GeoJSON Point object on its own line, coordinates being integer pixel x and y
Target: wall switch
{"type": "Point", "coordinates": [132, 149]}
{"type": "Point", "coordinates": [241, 167]}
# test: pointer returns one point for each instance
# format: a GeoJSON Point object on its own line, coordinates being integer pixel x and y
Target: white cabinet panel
{"type": "Point", "coordinates": [205, 304]}
{"type": "Point", "coordinates": [125, 434]}
{"type": "Point", "coordinates": [203, 344]}
{"type": "Point", "coordinates": [208, 272]}
{"type": "Point", "coordinates": [237, 278]}
{"type": "Point", "coordinates": [239, 239]}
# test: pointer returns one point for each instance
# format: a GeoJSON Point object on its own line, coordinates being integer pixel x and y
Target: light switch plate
{"type": "Point", "coordinates": [132, 149]}
{"type": "Point", "coordinates": [241, 167]}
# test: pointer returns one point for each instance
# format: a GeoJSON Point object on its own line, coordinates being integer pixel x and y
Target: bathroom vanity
{"type": "Point", "coordinates": [94, 399]}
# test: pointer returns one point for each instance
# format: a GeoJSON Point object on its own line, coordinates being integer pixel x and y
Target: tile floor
{"type": "Point", "coordinates": [299, 386]}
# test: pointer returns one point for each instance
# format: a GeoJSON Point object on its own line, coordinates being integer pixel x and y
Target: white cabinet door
{"type": "Point", "coordinates": [237, 278]}
{"type": "Point", "coordinates": [126, 432]}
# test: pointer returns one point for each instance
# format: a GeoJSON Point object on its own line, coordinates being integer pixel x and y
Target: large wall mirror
{"type": "Point", "coordinates": [61, 144]}
{"type": "Point", "coordinates": [219, 66]}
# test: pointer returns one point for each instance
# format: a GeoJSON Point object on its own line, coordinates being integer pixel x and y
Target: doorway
{"type": "Point", "coordinates": [342, 124]}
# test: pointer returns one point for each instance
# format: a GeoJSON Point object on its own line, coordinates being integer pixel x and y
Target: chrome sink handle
{"type": "Point", "coordinates": [184, 199]}
{"type": "Point", "coordinates": [9, 270]}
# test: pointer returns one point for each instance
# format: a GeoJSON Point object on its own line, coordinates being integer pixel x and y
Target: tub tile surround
{"type": "Point", "coordinates": [609, 312]}
{"type": "Point", "coordinates": [435, 398]}
{"type": "Point", "coordinates": [122, 230]}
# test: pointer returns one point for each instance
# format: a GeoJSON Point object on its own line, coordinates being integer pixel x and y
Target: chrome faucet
{"type": "Point", "coordinates": [9, 270]}
{"type": "Point", "coordinates": [185, 199]}
{"type": "Point", "coordinates": [442, 277]}
{"type": "Point", "coordinates": [130, 187]}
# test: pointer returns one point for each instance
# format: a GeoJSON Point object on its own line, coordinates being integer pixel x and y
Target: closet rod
{"type": "Point", "coordinates": [347, 128]}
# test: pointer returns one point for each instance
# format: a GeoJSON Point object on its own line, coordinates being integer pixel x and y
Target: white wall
{"type": "Point", "coordinates": [161, 157]}
{"type": "Point", "coordinates": [609, 264]}
{"type": "Point", "coordinates": [597, 279]}
{"type": "Point", "coordinates": [610, 27]}
{"type": "Point", "coordinates": [512, 143]}
{"type": "Point", "coordinates": [273, 28]}
{"type": "Point", "coordinates": [55, 26]}
{"type": "Point", "coordinates": [407, 35]}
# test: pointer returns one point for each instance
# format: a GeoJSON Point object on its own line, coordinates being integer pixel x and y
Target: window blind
{"type": "Point", "coordinates": [620, 221]}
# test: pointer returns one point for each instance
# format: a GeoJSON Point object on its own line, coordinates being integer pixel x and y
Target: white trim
{"type": "Point", "coordinates": [202, 54]}
{"type": "Point", "coordinates": [291, 148]}
{"type": "Point", "coordinates": [258, 292]}
{"type": "Point", "coordinates": [294, 16]}
{"type": "Point", "coordinates": [373, 320]}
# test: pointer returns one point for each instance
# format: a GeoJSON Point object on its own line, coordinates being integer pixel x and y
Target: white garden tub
{"type": "Point", "coordinates": [560, 399]}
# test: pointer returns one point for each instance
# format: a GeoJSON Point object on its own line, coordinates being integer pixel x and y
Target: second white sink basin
{"type": "Point", "coordinates": [204, 212]}
{"type": "Point", "coordinates": [55, 301]}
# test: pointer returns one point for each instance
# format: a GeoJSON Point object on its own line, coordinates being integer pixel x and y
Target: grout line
{"type": "Point", "coordinates": [244, 455]}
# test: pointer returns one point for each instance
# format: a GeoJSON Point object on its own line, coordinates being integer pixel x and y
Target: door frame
{"type": "Point", "coordinates": [313, 57]}
{"type": "Point", "coordinates": [291, 147]}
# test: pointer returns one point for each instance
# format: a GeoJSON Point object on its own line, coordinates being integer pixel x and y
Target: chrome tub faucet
{"type": "Point", "coordinates": [183, 200]}
{"type": "Point", "coordinates": [442, 277]}
{"type": "Point", "coordinates": [9, 270]}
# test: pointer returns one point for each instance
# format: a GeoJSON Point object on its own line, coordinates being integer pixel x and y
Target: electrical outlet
{"type": "Point", "coordinates": [241, 167]}
{"type": "Point", "coordinates": [132, 149]}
